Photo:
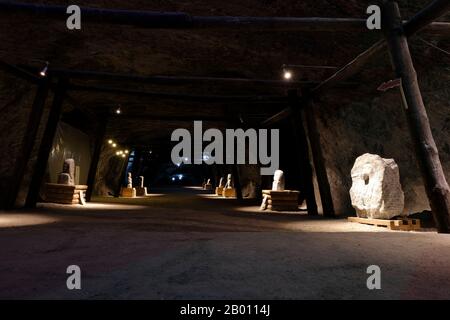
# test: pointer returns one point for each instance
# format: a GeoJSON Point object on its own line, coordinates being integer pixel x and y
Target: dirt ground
{"type": "Point", "coordinates": [185, 244]}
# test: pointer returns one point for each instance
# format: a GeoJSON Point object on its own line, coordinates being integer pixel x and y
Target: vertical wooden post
{"type": "Point", "coordinates": [122, 171]}
{"type": "Point", "coordinates": [237, 181]}
{"type": "Point", "coordinates": [436, 186]}
{"type": "Point", "coordinates": [234, 123]}
{"type": "Point", "coordinates": [318, 160]}
{"type": "Point", "coordinates": [302, 152]}
{"type": "Point", "coordinates": [98, 144]}
{"type": "Point", "coordinates": [46, 143]}
{"type": "Point", "coordinates": [28, 141]}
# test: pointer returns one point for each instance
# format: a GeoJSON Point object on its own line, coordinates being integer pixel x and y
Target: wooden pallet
{"type": "Point", "coordinates": [403, 224]}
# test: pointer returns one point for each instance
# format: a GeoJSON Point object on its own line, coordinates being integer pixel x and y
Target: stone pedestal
{"type": "Point", "coordinates": [286, 200]}
{"type": "Point", "coordinates": [128, 192]}
{"type": "Point", "coordinates": [65, 194]}
{"type": "Point", "coordinates": [219, 191]}
{"type": "Point", "coordinates": [208, 186]}
{"type": "Point", "coordinates": [229, 193]}
{"type": "Point", "coordinates": [141, 191]}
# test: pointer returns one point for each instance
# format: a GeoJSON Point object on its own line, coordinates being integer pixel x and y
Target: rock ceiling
{"type": "Point", "coordinates": [218, 53]}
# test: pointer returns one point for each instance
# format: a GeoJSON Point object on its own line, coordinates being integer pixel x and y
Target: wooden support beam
{"type": "Point", "coordinates": [425, 17]}
{"type": "Point", "coordinates": [122, 171]}
{"type": "Point", "coordinates": [46, 144]}
{"type": "Point", "coordinates": [98, 144]}
{"type": "Point", "coordinates": [187, 118]}
{"type": "Point", "coordinates": [19, 72]}
{"type": "Point", "coordinates": [283, 114]}
{"type": "Point", "coordinates": [181, 20]}
{"type": "Point", "coordinates": [28, 141]}
{"type": "Point", "coordinates": [350, 69]}
{"type": "Point", "coordinates": [178, 96]}
{"type": "Point", "coordinates": [301, 147]}
{"type": "Point", "coordinates": [237, 181]}
{"type": "Point", "coordinates": [173, 80]}
{"type": "Point", "coordinates": [318, 160]}
{"type": "Point", "coordinates": [436, 185]}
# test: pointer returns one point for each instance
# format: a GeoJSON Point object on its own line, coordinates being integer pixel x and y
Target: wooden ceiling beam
{"type": "Point", "coordinates": [181, 20]}
{"type": "Point", "coordinates": [178, 96]}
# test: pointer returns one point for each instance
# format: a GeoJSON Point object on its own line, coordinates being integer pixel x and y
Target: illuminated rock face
{"type": "Point", "coordinates": [376, 191]}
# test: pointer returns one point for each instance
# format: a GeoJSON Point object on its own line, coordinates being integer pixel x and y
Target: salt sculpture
{"type": "Point", "coordinates": [141, 191]}
{"type": "Point", "coordinates": [129, 191]}
{"type": "Point", "coordinates": [219, 189]}
{"type": "Point", "coordinates": [376, 191]}
{"type": "Point", "coordinates": [208, 185]}
{"type": "Point", "coordinates": [279, 199]}
{"type": "Point", "coordinates": [67, 175]}
{"type": "Point", "coordinates": [278, 181]}
{"type": "Point", "coordinates": [228, 190]}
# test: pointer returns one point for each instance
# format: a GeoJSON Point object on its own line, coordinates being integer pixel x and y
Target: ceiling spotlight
{"type": "Point", "coordinates": [117, 153]}
{"type": "Point", "coordinates": [43, 72]}
{"type": "Point", "coordinates": [287, 75]}
{"type": "Point", "coordinates": [126, 151]}
{"type": "Point", "coordinates": [114, 145]}
{"type": "Point", "coordinates": [118, 110]}
{"type": "Point", "coordinates": [123, 156]}
{"type": "Point", "coordinates": [110, 141]}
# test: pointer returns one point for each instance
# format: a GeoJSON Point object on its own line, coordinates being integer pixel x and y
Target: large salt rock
{"type": "Point", "coordinates": [376, 191]}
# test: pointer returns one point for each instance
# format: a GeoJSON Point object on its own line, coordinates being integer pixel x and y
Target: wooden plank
{"type": "Point", "coordinates": [404, 224]}
{"type": "Point", "coordinates": [46, 144]}
{"type": "Point", "coordinates": [436, 186]}
{"type": "Point", "coordinates": [34, 119]}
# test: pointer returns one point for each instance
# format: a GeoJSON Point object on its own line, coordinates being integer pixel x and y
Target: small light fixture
{"type": "Point", "coordinates": [123, 156]}
{"type": "Point", "coordinates": [287, 75]}
{"type": "Point", "coordinates": [126, 151]}
{"type": "Point", "coordinates": [110, 141]}
{"type": "Point", "coordinates": [117, 153]}
{"type": "Point", "coordinates": [43, 72]}
{"type": "Point", "coordinates": [114, 145]}
{"type": "Point", "coordinates": [118, 110]}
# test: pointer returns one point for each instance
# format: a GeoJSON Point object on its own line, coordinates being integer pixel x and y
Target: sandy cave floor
{"type": "Point", "coordinates": [186, 244]}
